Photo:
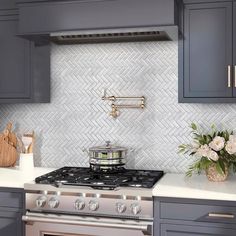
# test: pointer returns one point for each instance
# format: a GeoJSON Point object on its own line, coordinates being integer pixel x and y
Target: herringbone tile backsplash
{"type": "Point", "coordinates": [77, 118]}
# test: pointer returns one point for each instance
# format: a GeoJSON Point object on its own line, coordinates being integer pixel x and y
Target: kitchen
{"type": "Point", "coordinates": [63, 88]}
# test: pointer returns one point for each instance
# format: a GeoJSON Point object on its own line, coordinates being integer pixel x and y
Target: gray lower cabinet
{"type": "Point", "coordinates": [206, 53]}
{"type": "Point", "coordinates": [11, 210]}
{"type": "Point", "coordinates": [192, 217]}
{"type": "Point", "coordinates": [24, 66]}
{"type": "Point", "coordinates": [187, 230]}
{"type": "Point", "coordinates": [10, 223]}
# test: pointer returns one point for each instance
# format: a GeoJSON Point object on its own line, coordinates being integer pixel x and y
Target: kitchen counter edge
{"type": "Point", "coordinates": [195, 187]}
{"type": "Point", "coordinates": [15, 178]}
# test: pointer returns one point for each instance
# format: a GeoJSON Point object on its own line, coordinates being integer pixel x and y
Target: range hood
{"type": "Point", "coordinates": [118, 35]}
{"type": "Point", "coordinates": [94, 21]}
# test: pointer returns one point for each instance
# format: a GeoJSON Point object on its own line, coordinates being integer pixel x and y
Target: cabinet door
{"type": "Point", "coordinates": [207, 51]}
{"type": "Point", "coordinates": [183, 230]}
{"type": "Point", "coordinates": [234, 47]}
{"type": "Point", "coordinates": [10, 224]}
{"type": "Point", "coordinates": [15, 80]}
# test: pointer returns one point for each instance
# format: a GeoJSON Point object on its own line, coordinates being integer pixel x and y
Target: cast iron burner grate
{"type": "Point", "coordinates": [81, 176]}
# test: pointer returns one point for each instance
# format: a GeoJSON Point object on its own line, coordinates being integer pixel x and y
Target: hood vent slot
{"type": "Point", "coordinates": [109, 37]}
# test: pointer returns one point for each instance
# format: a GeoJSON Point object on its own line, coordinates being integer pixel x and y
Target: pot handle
{"type": "Point", "coordinates": [85, 151]}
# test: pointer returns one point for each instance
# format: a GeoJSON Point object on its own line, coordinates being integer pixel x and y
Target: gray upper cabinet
{"type": "Point", "coordinates": [24, 66]}
{"type": "Point", "coordinates": [15, 60]}
{"type": "Point", "coordinates": [206, 53]}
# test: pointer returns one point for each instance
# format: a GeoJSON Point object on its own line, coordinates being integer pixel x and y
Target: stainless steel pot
{"type": "Point", "coordinates": [107, 157]}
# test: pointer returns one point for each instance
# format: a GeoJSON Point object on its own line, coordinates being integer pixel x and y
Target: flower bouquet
{"type": "Point", "coordinates": [215, 153]}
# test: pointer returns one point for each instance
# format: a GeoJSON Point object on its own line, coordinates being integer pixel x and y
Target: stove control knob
{"type": "Point", "coordinates": [41, 201]}
{"type": "Point", "coordinates": [135, 208]}
{"type": "Point", "coordinates": [93, 205]}
{"type": "Point", "coordinates": [53, 202]}
{"type": "Point", "coordinates": [120, 207]}
{"type": "Point", "coordinates": [79, 205]}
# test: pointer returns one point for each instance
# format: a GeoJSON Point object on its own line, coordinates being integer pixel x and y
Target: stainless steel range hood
{"type": "Point", "coordinates": [117, 35]}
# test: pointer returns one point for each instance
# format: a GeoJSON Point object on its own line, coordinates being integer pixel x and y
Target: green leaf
{"type": "Point", "coordinates": [226, 135]}
{"type": "Point", "coordinates": [201, 142]}
{"type": "Point", "coordinates": [193, 126]}
{"type": "Point", "coordinates": [189, 173]}
{"type": "Point", "coordinates": [222, 165]}
{"type": "Point", "coordinates": [197, 135]}
{"type": "Point", "coordinates": [205, 163]}
{"type": "Point", "coordinates": [192, 153]}
{"type": "Point", "coordinates": [209, 138]}
{"type": "Point", "coordinates": [222, 152]}
{"type": "Point", "coordinates": [195, 167]}
{"type": "Point", "coordinates": [181, 151]}
{"type": "Point", "coordinates": [218, 168]}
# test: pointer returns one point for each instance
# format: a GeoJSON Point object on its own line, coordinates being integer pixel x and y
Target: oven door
{"type": "Point", "coordinates": [38, 224]}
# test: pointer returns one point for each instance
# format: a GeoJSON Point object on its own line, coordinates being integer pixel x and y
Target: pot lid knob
{"type": "Point", "coordinates": [108, 144]}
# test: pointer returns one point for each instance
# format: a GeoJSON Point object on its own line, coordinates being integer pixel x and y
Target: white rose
{"type": "Point", "coordinates": [230, 147]}
{"type": "Point", "coordinates": [203, 151]}
{"type": "Point", "coordinates": [195, 146]}
{"type": "Point", "coordinates": [232, 138]}
{"type": "Point", "coordinates": [217, 143]}
{"type": "Point", "coordinates": [212, 155]}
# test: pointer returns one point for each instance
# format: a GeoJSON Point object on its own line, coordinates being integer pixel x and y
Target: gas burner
{"type": "Point", "coordinates": [136, 185]}
{"type": "Point", "coordinates": [98, 183]}
{"type": "Point", "coordinates": [78, 176]}
{"type": "Point", "coordinates": [61, 181]}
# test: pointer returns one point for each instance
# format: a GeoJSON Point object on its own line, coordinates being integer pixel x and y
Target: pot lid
{"type": "Point", "coordinates": [107, 148]}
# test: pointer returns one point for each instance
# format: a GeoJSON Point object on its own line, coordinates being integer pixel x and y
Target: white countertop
{"type": "Point", "coordinates": [197, 187]}
{"type": "Point", "coordinates": [171, 185]}
{"type": "Point", "coordinates": [14, 178]}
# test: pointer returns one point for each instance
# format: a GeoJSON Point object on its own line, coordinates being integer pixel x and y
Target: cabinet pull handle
{"type": "Point", "coordinates": [221, 215]}
{"type": "Point", "coordinates": [235, 76]}
{"type": "Point", "coordinates": [229, 76]}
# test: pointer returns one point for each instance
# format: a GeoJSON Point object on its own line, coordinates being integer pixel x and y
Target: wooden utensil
{"type": "Point", "coordinates": [26, 141]}
{"type": "Point", "coordinates": [31, 147]}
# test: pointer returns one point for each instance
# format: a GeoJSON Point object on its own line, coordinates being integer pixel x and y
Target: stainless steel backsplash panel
{"type": "Point", "coordinates": [77, 118]}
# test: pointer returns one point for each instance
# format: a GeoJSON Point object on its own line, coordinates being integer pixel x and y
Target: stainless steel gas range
{"type": "Point", "coordinates": [80, 202]}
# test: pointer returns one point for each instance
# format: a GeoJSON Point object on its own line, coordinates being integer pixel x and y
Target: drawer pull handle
{"type": "Point", "coordinates": [229, 76]}
{"type": "Point", "coordinates": [219, 215]}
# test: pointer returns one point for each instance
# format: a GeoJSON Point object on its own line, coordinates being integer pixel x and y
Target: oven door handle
{"type": "Point", "coordinates": [145, 228]}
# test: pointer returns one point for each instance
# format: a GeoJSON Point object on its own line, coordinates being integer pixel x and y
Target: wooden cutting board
{"type": "Point", "coordinates": [8, 147]}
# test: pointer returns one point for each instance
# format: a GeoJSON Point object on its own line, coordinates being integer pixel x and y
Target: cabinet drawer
{"type": "Point", "coordinates": [197, 212]}
{"type": "Point", "coordinates": [11, 199]}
